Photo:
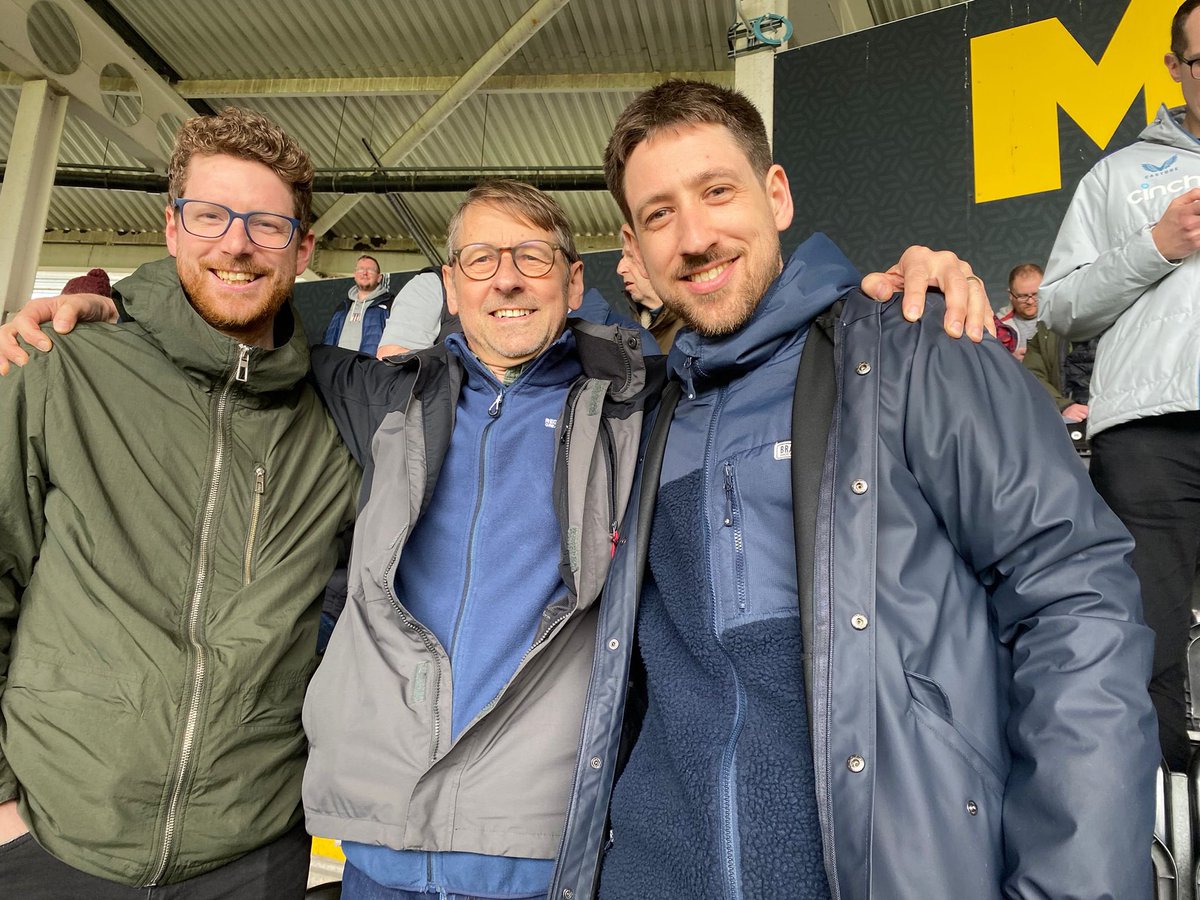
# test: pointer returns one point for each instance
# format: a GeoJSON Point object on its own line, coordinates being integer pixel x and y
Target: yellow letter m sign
{"type": "Point", "coordinates": [1021, 76]}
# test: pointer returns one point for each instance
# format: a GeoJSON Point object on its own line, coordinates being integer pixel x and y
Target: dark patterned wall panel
{"type": "Point", "coordinates": [874, 130]}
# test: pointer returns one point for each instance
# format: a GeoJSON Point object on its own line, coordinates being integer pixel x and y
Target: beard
{"type": "Point", "coordinates": [728, 310]}
{"type": "Point", "coordinates": [231, 314]}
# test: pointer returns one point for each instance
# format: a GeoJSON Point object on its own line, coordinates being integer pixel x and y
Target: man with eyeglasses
{"type": "Point", "coordinates": [171, 496]}
{"type": "Point", "coordinates": [444, 721]}
{"type": "Point", "coordinates": [1125, 268]}
{"type": "Point", "coordinates": [359, 322]}
{"type": "Point", "coordinates": [1020, 314]}
{"type": "Point", "coordinates": [460, 699]}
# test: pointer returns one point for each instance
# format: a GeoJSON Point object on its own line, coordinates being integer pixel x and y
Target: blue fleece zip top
{"type": "Point", "coordinates": [479, 569]}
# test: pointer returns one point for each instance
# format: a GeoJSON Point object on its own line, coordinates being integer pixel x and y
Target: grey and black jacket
{"type": "Point", "coordinates": [383, 767]}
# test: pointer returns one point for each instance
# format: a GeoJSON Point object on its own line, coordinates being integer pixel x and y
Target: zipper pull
{"type": "Point", "coordinates": [728, 495]}
{"type": "Point", "coordinates": [687, 377]}
{"type": "Point", "coordinates": [243, 364]}
{"type": "Point", "coordinates": [260, 480]}
{"type": "Point", "coordinates": [615, 537]}
{"type": "Point", "coordinates": [494, 409]}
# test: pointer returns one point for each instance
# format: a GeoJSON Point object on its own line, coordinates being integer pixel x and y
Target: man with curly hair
{"type": "Point", "coordinates": [172, 494]}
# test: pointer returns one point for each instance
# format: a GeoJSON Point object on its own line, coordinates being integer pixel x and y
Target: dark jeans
{"type": "Point", "coordinates": [278, 871]}
{"type": "Point", "coordinates": [1148, 471]}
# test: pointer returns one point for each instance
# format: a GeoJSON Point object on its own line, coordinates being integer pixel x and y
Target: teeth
{"type": "Point", "coordinates": [708, 274]}
{"type": "Point", "coordinates": [235, 277]}
{"type": "Point", "coordinates": [510, 313]}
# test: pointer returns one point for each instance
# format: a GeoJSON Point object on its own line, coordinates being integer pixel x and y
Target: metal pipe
{"type": "Point", "coordinates": [492, 59]}
{"type": "Point", "coordinates": [354, 182]}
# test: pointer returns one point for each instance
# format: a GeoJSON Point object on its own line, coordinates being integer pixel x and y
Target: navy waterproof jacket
{"type": "Point", "coordinates": [976, 662]}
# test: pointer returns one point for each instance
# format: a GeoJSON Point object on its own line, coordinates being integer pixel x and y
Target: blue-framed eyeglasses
{"type": "Point", "coordinates": [205, 219]}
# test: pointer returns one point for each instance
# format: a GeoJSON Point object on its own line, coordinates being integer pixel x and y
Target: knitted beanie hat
{"type": "Point", "coordinates": [94, 282]}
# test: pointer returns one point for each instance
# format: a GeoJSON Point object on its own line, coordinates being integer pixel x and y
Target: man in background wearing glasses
{"type": "Point", "coordinates": [171, 496]}
{"type": "Point", "coordinates": [1125, 268]}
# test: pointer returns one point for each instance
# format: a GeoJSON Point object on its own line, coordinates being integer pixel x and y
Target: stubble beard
{"type": "Point", "coordinates": [715, 316]}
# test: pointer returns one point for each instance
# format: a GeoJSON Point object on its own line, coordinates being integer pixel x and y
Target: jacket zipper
{"type": "Point", "coordinates": [733, 519]}
{"type": "Point", "coordinates": [423, 634]}
{"type": "Point", "coordinates": [494, 412]}
{"type": "Point", "coordinates": [260, 486]}
{"type": "Point", "coordinates": [610, 466]}
{"type": "Point", "coordinates": [725, 775]}
{"type": "Point", "coordinates": [241, 374]}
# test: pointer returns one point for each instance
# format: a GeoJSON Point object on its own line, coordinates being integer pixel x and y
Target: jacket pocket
{"type": "Point", "coordinates": [276, 703]}
{"type": "Point", "coordinates": [931, 708]}
{"type": "Point", "coordinates": [259, 488]}
{"type": "Point", "coordinates": [62, 692]}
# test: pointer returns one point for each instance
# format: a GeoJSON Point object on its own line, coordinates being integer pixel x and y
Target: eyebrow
{"type": "Point", "coordinates": [714, 174]}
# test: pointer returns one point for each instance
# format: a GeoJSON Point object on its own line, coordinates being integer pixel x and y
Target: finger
{"type": "Point", "coordinates": [65, 319]}
{"type": "Point", "coordinates": [10, 350]}
{"type": "Point", "coordinates": [979, 310]}
{"type": "Point", "coordinates": [30, 331]}
{"type": "Point", "coordinates": [881, 285]}
{"type": "Point", "coordinates": [956, 288]}
{"type": "Point", "coordinates": [916, 284]}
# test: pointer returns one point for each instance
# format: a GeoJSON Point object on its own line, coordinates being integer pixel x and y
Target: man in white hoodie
{"type": "Point", "coordinates": [1125, 266]}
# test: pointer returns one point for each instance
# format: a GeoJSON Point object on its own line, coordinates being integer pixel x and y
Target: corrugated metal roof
{"type": "Point", "coordinates": [230, 39]}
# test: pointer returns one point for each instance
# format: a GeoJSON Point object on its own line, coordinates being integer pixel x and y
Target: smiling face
{"type": "Point", "coordinates": [705, 224]}
{"type": "Point", "coordinates": [236, 286]}
{"type": "Point", "coordinates": [510, 318]}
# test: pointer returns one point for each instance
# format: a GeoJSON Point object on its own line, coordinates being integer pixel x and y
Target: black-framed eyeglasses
{"type": "Point", "coordinates": [533, 259]}
{"type": "Point", "coordinates": [1025, 298]}
{"type": "Point", "coordinates": [205, 219]}
{"type": "Point", "coordinates": [1191, 64]}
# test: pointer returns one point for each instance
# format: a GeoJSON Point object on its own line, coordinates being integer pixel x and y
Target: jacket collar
{"type": "Point", "coordinates": [609, 352]}
{"type": "Point", "coordinates": [154, 299]}
{"type": "Point", "coordinates": [814, 277]}
{"type": "Point", "coordinates": [1167, 128]}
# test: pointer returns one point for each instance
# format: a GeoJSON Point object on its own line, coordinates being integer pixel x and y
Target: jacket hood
{"type": "Point", "coordinates": [377, 296]}
{"type": "Point", "coordinates": [815, 275]}
{"type": "Point", "coordinates": [154, 298]}
{"type": "Point", "coordinates": [1167, 128]}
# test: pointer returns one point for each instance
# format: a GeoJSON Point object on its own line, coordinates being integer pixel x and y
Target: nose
{"type": "Point", "coordinates": [236, 239]}
{"type": "Point", "coordinates": [508, 277]}
{"type": "Point", "coordinates": [696, 234]}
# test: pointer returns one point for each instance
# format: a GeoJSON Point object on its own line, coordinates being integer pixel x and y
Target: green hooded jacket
{"type": "Point", "coordinates": [169, 506]}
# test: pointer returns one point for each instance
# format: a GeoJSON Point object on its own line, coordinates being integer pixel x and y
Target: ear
{"type": "Point", "coordinates": [779, 195]}
{"type": "Point", "coordinates": [1174, 67]}
{"type": "Point", "coordinates": [632, 251]}
{"type": "Point", "coordinates": [304, 251]}
{"type": "Point", "coordinates": [451, 295]}
{"type": "Point", "coordinates": [575, 286]}
{"type": "Point", "coordinates": [171, 231]}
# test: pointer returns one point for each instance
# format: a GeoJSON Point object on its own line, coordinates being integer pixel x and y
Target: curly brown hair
{"type": "Point", "coordinates": [245, 134]}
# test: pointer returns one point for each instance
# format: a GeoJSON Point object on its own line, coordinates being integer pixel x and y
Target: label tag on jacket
{"type": "Point", "coordinates": [783, 449]}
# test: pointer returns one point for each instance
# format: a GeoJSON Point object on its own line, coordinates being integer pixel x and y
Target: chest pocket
{"type": "Point", "coordinates": [753, 554]}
